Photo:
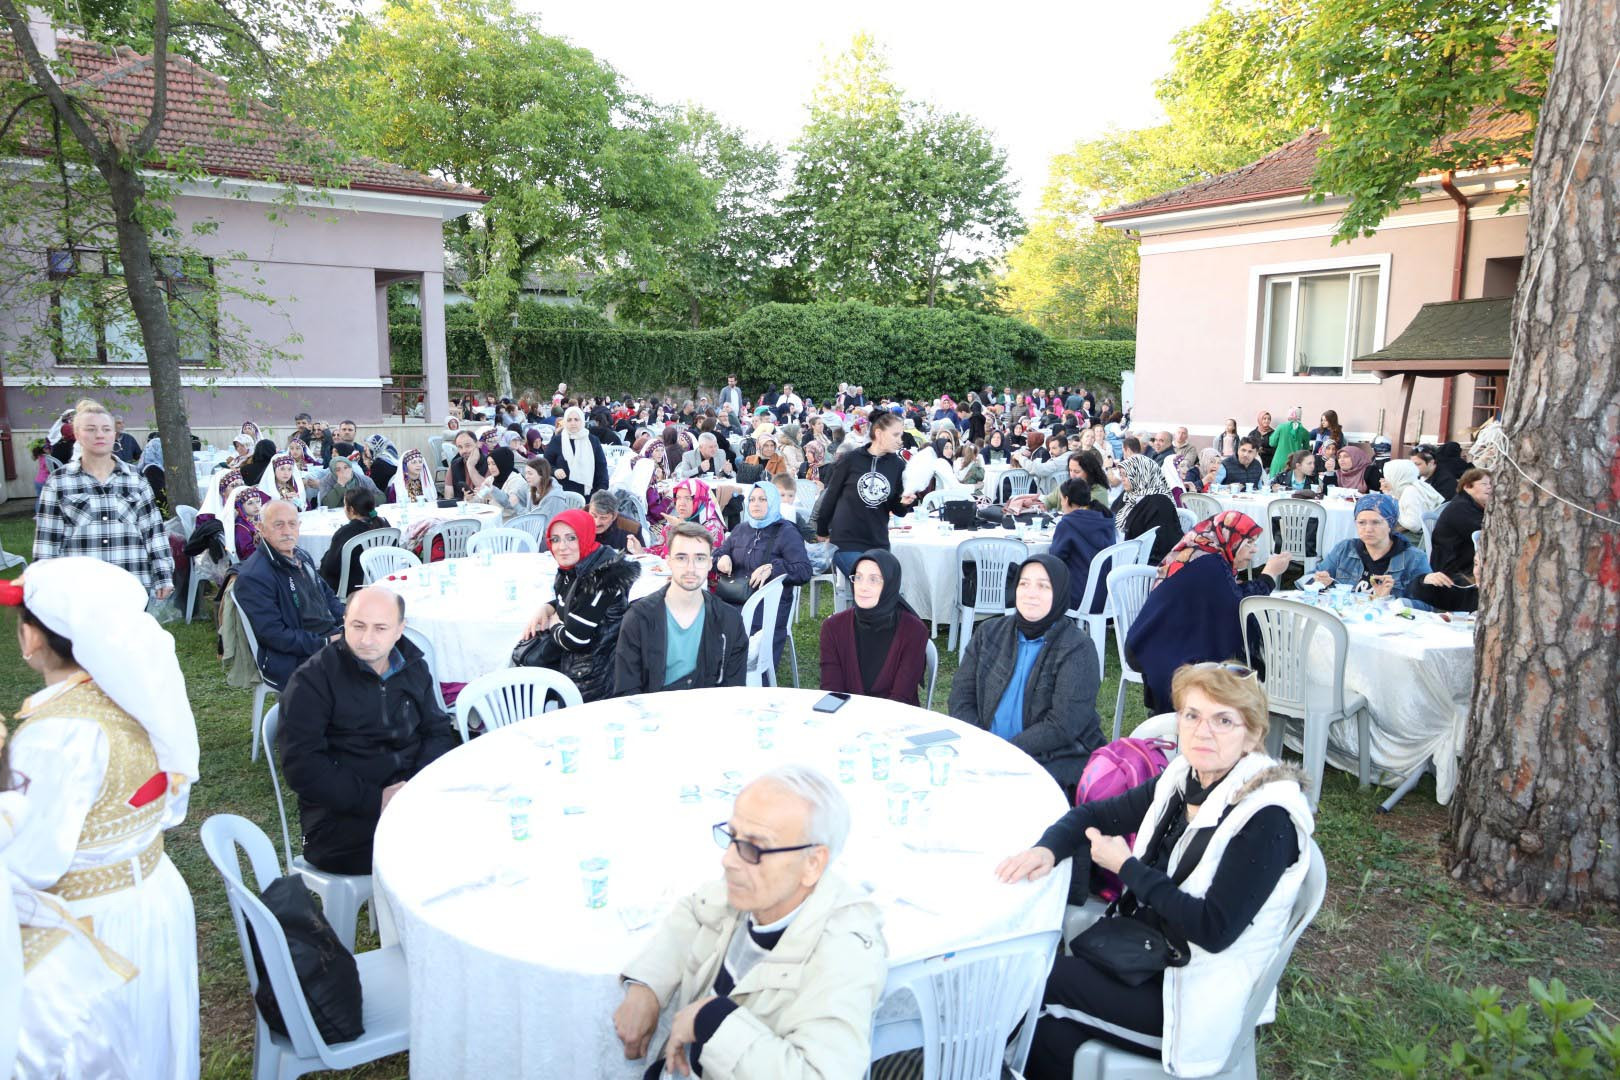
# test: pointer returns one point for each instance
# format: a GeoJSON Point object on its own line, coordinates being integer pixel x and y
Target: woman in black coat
{"type": "Point", "coordinates": [361, 506]}
{"type": "Point", "coordinates": [579, 628]}
{"type": "Point", "coordinates": [764, 546]}
{"type": "Point", "coordinates": [576, 457]}
{"type": "Point", "coordinates": [1453, 543]}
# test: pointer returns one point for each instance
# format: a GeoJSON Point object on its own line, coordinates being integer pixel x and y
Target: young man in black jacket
{"type": "Point", "coordinates": [359, 719]}
{"type": "Point", "coordinates": [1246, 466]}
{"type": "Point", "coordinates": [681, 637]}
{"type": "Point", "coordinates": [863, 489]}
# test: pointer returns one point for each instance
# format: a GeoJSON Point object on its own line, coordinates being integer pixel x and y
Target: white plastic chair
{"type": "Point", "coordinates": [534, 525]}
{"type": "Point", "coordinates": [1098, 1060]}
{"type": "Point", "coordinates": [1014, 482]}
{"type": "Point", "coordinates": [991, 558]}
{"type": "Point", "coordinates": [1187, 518]}
{"type": "Point", "coordinates": [501, 541]}
{"type": "Point", "coordinates": [456, 534]}
{"type": "Point", "coordinates": [7, 559]}
{"type": "Point", "coordinates": [1429, 518]}
{"type": "Point", "coordinates": [969, 1001]}
{"type": "Point", "coordinates": [1144, 546]}
{"type": "Point", "coordinates": [342, 895]}
{"type": "Point", "coordinates": [187, 516]}
{"type": "Point", "coordinates": [512, 694]}
{"type": "Point", "coordinates": [829, 579]}
{"type": "Point", "coordinates": [1203, 506]}
{"type": "Point", "coordinates": [430, 657]}
{"type": "Point", "coordinates": [1291, 520]}
{"type": "Point", "coordinates": [366, 541]}
{"type": "Point", "coordinates": [1123, 553]}
{"type": "Point", "coordinates": [377, 563]}
{"type": "Point", "coordinates": [1128, 588]}
{"type": "Point", "coordinates": [1286, 628]}
{"type": "Point", "coordinates": [573, 500]}
{"type": "Point", "coordinates": [762, 643]}
{"type": "Point", "coordinates": [384, 980]}
{"type": "Point", "coordinates": [930, 503]}
{"type": "Point", "coordinates": [931, 672]}
{"type": "Point", "coordinates": [261, 689]}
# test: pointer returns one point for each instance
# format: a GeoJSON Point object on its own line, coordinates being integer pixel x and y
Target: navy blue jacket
{"type": "Point", "coordinates": [272, 600]}
{"type": "Point", "coordinates": [1190, 617]}
{"type": "Point", "coordinates": [1079, 535]}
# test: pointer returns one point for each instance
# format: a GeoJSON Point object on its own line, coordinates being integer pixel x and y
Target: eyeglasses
{"type": "Point", "coordinates": [691, 560]}
{"type": "Point", "coordinates": [747, 850]}
{"type": "Point", "coordinates": [1219, 723]}
{"type": "Point", "coordinates": [1224, 665]}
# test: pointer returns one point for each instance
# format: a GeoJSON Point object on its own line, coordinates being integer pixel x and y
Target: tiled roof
{"type": "Point", "coordinates": [1287, 170]}
{"type": "Point", "coordinates": [202, 123]}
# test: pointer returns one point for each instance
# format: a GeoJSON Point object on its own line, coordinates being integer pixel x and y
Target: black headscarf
{"type": "Point", "coordinates": [1058, 571]}
{"type": "Point", "coordinates": [254, 467]}
{"type": "Point", "coordinates": [875, 626]}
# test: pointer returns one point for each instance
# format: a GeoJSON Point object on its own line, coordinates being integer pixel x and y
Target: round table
{"type": "Point", "coordinates": [513, 975]}
{"type": "Point", "coordinates": [315, 527]}
{"type": "Point", "coordinates": [926, 550]}
{"type": "Point", "coordinates": [473, 621]}
{"type": "Point", "coordinates": [1341, 520]}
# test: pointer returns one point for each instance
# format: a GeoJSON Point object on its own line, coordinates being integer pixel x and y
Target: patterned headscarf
{"type": "Point", "coordinates": [302, 454]}
{"type": "Point", "coordinates": [413, 484]}
{"type": "Point", "coordinates": [250, 429]}
{"type": "Point", "coordinates": [1384, 505]}
{"type": "Point", "coordinates": [289, 488]}
{"type": "Point", "coordinates": [237, 504]}
{"type": "Point", "coordinates": [1220, 535]}
{"type": "Point", "coordinates": [1147, 478]}
{"type": "Point", "coordinates": [702, 506]}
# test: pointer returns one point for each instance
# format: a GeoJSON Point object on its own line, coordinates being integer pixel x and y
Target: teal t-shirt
{"type": "Point", "coordinates": [681, 647]}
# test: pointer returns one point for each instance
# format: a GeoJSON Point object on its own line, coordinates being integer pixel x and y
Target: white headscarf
{"type": "Point", "coordinates": [101, 609]}
{"type": "Point", "coordinates": [576, 450]}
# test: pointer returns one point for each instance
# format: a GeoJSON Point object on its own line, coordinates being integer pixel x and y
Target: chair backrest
{"type": "Point", "coordinates": [931, 501]}
{"type": "Point", "coordinates": [930, 671]}
{"type": "Point", "coordinates": [573, 500]}
{"type": "Point", "coordinates": [455, 534]}
{"type": "Point", "coordinates": [430, 657]}
{"type": "Point", "coordinates": [502, 540]}
{"type": "Point", "coordinates": [1187, 518]}
{"type": "Point", "coordinates": [534, 523]}
{"type": "Point", "coordinates": [187, 516]}
{"type": "Point", "coordinates": [226, 838]}
{"type": "Point", "coordinates": [1013, 482]}
{"type": "Point", "coordinates": [1429, 518]}
{"type": "Point", "coordinates": [1285, 629]}
{"type": "Point", "coordinates": [991, 557]}
{"type": "Point", "coordinates": [507, 696]}
{"type": "Point", "coordinates": [378, 563]}
{"type": "Point", "coordinates": [366, 541]}
{"type": "Point", "coordinates": [52, 466]}
{"type": "Point", "coordinates": [762, 646]}
{"type": "Point", "coordinates": [247, 628]}
{"type": "Point", "coordinates": [1290, 519]}
{"type": "Point", "coordinates": [1144, 546]}
{"type": "Point", "coordinates": [1128, 588]}
{"type": "Point", "coordinates": [435, 451]}
{"type": "Point", "coordinates": [270, 726]}
{"type": "Point", "coordinates": [1123, 553]}
{"type": "Point", "coordinates": [1473, 538]}
{"type": "Point", "coordinates": [970, 1000]}
{"type": "Point", "coordinates": [1203, 506]}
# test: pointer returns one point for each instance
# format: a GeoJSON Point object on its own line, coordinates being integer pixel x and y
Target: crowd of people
{"type": "Point", "coordinates": [733, 497]}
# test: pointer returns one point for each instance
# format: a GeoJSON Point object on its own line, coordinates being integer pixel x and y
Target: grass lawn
{"type": "Point", "coordinates": [1375, 971]}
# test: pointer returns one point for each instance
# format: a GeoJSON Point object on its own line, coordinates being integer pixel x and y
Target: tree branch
{"type": "Point", "coordinates": [17, 111]}
{"type": "Point", "coordinates": [160, 82]}
{"type": "Point", "coordinates": [40, 71]}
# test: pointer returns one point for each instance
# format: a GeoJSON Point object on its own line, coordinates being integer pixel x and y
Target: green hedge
{"type": "Point", "coordinates": [912, 352]}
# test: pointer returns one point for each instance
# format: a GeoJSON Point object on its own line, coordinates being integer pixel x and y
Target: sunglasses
{"type": "Point", "coordinates": [1236, 669]}
{"type": "Point", "coordinates": [750, 852]}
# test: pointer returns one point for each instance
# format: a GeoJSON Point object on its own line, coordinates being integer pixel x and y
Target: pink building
{"type": "Point", "coordinates": [322, 254]}
{"type": "Point", "coordinates": [1245, 305]}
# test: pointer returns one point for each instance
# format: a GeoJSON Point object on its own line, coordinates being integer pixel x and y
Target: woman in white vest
{"type": "Point", "coordinates": [1222, 846]}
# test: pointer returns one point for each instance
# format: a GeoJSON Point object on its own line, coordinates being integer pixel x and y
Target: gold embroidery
{"type": "Point", "coordinates": [101, 880]}
{"type": "Point", "coordinates": [37, 944]}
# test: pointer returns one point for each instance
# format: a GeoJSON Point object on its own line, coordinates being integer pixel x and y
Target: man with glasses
{"type": "Point", "coordinates": [682, 637]}
{"type": "Point", "coordinates": [775, 969]}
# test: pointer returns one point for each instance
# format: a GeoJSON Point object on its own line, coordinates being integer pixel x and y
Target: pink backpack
{"type": "Point", "coordinates": [1113, 770]}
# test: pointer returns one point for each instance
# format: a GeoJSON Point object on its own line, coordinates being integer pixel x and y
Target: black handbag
{"type": "Point", "coordinates": [733, 588]}
{"type": "Point", "coordinates": [326, 970]}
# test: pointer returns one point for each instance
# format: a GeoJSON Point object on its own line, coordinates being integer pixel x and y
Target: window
{"type": "Point", "coordinates": [1315, 323]}
{"type": "Point", "coordinates": [94, 322]}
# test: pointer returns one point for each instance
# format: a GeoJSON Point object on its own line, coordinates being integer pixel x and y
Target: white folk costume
{"type": "Point", "coordinates": [292, 490]}
{"type": "Point", "coordinates": [110, 755]}
{"type": "Point", "coordinates": [413, 482]}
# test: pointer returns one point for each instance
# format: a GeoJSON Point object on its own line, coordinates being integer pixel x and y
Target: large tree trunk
{"type": "Point", "coordinates": [500, 365]}
{"type": "Point", "coordinates": [1537, 814]}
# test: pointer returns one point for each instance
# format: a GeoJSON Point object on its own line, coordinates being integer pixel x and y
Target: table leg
{"type": "Point", "coordinates": [1406, 786]}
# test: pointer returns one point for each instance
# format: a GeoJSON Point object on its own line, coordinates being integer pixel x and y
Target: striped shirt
{"type": "Point", "coordinates": [117, 522]}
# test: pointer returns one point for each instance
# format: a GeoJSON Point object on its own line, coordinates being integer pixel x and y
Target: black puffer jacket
{"type": "Point", "coordinates": [592, 596]}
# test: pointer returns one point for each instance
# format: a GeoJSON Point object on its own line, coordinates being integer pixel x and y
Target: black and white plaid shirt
{"type": "Point", "coordinates": [117, 522]}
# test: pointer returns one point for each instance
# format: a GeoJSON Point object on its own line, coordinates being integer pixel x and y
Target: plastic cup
{"type": "Point", "coordinates": [940, 759]}
{"type": "Point", "coordinates": [615, 733]}
{"type": "Point", "coordinates": [444, 586]}
{"type": "Point", "coordinates": [899, 804]}
{"type": "Point", "coordinates": [486, 558]}
{"type": "Point", "coordinates": [880, 760]}
{"type": "Point", "coordinates": [765, 730]}
{"type": "Point", "coordinates": [450, 568]}
{"type": "Point", "coordinates": [511, 592]}
{"type": "Point", "coordinates": [691, 793]}
{"type": "Point", "coordinates": [848, 755]}
{"type": "Point", "coordinates": [568, 751]}
{"type": "Point", "coordinates": [517, 813]}
{"type": "Point", "coordinates": [593, 875]}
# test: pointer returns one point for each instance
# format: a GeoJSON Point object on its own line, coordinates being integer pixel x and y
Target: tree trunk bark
{"type": "Point", "coordinates": [500, 365]}
{"type": "Point", "coordinates": [1537, 813]}
{"type": "Point", "coordinates": [693, 311]}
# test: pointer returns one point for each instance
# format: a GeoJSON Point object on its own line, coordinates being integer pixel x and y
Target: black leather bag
{"type": "Point", "coordinates": [733, 588]}
{"type": "Point", "coordinates": [961, 513]}
{"type": "Point", "coordinates": [326, 970]}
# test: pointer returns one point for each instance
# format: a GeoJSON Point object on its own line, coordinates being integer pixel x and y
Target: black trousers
{"type": "Point", "coordinates": [1084, 1002]}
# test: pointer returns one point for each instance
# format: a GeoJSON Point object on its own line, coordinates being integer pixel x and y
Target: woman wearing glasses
{"type": "Point", "coordinates": [1220, 850]}
{"type": "Point", "coordinates": [579, 629]}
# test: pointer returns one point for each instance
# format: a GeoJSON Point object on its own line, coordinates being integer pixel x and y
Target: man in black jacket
{"type": "Point", "coordinates": [1244, 467]}
{"type": "Point", "coordinates": [359, 719]}
{"type": "Point", "coordinates": [862, 489]}
{"type": "Point", "coordinates": [681, 637]}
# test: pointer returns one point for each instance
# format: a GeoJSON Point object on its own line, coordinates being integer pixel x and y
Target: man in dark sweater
{"type": "Point", "coordinates": [1244, 467]}
{"type": "Point", "coordinates": [862, 489]}
{"type": "Point", "coordinates": [682, 637]}
{"type": "Point", "coordinates": [359, 719]}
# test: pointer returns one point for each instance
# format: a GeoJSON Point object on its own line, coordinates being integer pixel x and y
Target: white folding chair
{"type": "Point", "coordinates": [762, 643]}
{"type": "Point", "coordinates": [455, 533]}
{"type": "Point", "coordinates": [1095, 624]}
{"type": "Point", "coordinates": [1014, 482]}
{"type": "Point", "coordinates": [1144, 546]}
{"type": "Point", "coordinates": [1429, 518]}
{"type": "Point", "coordinates": [1096, 1060]}
{"type": "Point", "coordinates": [991, 558]}
{"type": "Point", "coordinates": [377, 563]}
{"type": "Point", "coordinates": [1203, 506]}
{"type": "Point", "coordinates": [968, 1003]}
{"type": "Point", "coordinates": [1286, 629]}
{"type": "Point", "coordinates": [261, 689]}
{"type": "Point", "coordinates": [502, 540]}
{"type": "Point", "coordinates": [430, 657]}
{"type": "Point", "coordinates": [1128, 588]}
{"type": "Point", "coordinates": [512, 694]}
{"type": "Point", "coordinates": [931, 672]}
{"type": "Point", "coordinates": [366, 541]}
{"type": "Point", "coordinates": [384, 981]}
{"type": "Point", "coordinates": [342, 895]}
{"type": "Point", "coordinates": [1290, 522]}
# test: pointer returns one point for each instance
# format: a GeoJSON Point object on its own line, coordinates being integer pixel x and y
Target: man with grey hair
{"type": "Point", "coordinates": [292, 610]}
{"type": "Point", "coordinates": [705, 461]}
{"type": "Point", "coordinates": [775, 969]}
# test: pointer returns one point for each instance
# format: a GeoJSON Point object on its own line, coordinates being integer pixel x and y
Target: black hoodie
{"type": "Point", "coordinates": [862, 491]}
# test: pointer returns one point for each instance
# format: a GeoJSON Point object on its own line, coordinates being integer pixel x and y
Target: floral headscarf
{"type": "Point", "coordinates": [288, 489]}
{"type": "Point", "coordinates": [1147, 478]}
{"type": "Point", "coordinates": [815, 455]}
{"type": "Point", "coordinates": [702, 505]}
{"type": "Point", "coordinates": [1220, 535]}
{"type": "Point", "coordinates": [413, 477]}
{"type": "Point", "coordinates": [1384, 505]}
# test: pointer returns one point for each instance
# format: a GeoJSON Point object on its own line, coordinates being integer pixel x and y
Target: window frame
{"type": "Point", "coordinates": [73, 257]}
{"type": "Point", "coordinates": [1257, 340]}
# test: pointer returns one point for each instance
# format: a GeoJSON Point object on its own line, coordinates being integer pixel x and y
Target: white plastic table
{"type": "Point", "coordinates": [926, 551]}
{"type": "Point", "coordinates": [475, 619]}
{"type": "Point", "coordinates": [1341, 521]}
{"type": "Point", "coordinates": [512, 975]}
{"type": "Point", "coordinates": [316, 527]}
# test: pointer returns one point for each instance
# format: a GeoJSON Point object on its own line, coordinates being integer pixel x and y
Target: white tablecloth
{"type": "Point", "coordinates": [315, 527]}
{"type": "Point", "coordinates": [929, 579]}
{"type": "Point", "coordinates": [1418, 677]}
{"type": "Point", "coordinates": [1341, 522]}
{"type": "Point", "coordinates": [516, 977]}
{"type": "Point", "coordinates": [474, 625]}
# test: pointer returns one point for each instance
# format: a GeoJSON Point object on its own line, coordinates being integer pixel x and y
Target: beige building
{"type": "Point", "coordinates": [1246, 305]}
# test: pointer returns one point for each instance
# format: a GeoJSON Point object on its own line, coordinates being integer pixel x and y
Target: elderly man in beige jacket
{"type": "Point", "coordinates": [776, 968]}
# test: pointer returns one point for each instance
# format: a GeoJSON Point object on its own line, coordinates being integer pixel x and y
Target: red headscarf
{"type": "Point", "coordinates": [584, 527]}
{"type": "Point", "coordinates": [1220, 535]}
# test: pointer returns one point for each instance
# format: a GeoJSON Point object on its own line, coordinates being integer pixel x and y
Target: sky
{"type": "Point", "coordinates": [1039, 75]}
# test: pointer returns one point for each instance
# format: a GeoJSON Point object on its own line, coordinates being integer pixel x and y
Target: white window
{"type": "Point", "coordinates": [94, 321]}
{"type": "Point", "coordinates": [1312, 319]}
